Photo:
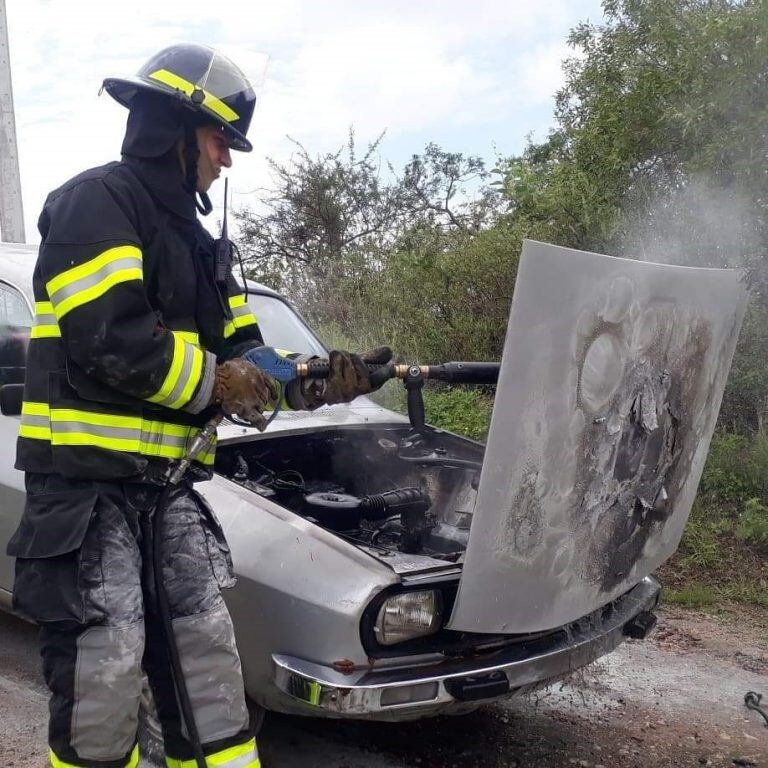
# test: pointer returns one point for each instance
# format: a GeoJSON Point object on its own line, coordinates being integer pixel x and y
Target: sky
{"type": "Point", "coordinates": [474, 77]}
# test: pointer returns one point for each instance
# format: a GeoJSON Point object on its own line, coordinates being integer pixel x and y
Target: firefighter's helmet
{"type": "Point", "coordinates": [203, 80]}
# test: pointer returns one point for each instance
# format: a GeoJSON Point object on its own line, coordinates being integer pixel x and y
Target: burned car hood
{"type": "Point", "coordinates": [612, 376]}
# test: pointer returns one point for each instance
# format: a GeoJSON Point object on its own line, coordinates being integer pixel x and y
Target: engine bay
{"type": "Point", "coordinates": [388, 488]}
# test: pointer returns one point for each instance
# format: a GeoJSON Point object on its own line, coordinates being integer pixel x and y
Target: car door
{"type": "Point", "coordinates": [15, 324]}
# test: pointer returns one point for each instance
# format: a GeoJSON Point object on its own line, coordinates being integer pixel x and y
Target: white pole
{"type": "Point", "coordinates": [11, 212]}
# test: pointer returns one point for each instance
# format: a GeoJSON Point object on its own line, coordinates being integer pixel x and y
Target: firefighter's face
{"type": "Point", "coordinates": [214, 155]}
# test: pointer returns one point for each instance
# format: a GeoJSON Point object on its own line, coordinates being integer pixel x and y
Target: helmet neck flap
{"type": "Point", "coordinates": [156, 127]}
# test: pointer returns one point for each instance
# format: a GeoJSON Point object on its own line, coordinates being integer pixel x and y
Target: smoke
{"type": "Point", "coordinates": [692, 223]}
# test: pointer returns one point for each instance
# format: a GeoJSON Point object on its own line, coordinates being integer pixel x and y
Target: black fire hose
{"type": "Point", "coordinates": [451, 373]}
{"type": "Point", "coordinates": [164, 610]}
{"type": "Point", "coordinates": [200, 442]}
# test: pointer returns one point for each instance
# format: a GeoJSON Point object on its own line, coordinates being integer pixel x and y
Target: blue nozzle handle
{"type": "Point", "coordinates": [281, 369]}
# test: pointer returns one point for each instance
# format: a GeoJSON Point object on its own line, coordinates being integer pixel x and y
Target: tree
{"type": "Point", "coordinates": [660, 142]}
{"type": "Point", "coordinates": [661, 152]}
{"type": "Point", "coordinates": [329, 224]}
{"type": "Point", "coordinates": [432, 182]}
{"type": "Point", "coordinates": [323, 216]}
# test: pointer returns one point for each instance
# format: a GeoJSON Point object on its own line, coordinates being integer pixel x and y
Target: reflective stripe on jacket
{"type": "Point", "coordinates": [129, 324]}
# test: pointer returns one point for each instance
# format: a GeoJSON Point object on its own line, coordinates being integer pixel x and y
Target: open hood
{"type": "Point", "coordinates": [611, 381]}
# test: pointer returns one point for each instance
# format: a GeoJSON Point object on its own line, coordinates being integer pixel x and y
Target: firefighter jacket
{"type": "Point", "coordinates": [129, 323]}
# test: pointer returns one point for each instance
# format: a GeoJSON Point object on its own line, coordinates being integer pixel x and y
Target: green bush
{"type": "Point", "coordinates": [701, 544]}
{"type": "Point", "coordinates": [736, 470]}
{"type": "Point", "coordinates": [459, 409]}
{"type": "Point", "coordinates": [752, 525]}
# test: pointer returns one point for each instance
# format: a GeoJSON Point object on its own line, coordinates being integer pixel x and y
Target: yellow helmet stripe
{"type": "Point", "coordinates": [212, 102]}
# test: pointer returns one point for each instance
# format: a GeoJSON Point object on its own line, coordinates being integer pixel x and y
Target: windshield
{"type": "Point", "coordinates": [281, 327]}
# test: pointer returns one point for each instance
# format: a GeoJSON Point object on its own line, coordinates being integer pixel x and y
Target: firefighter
{"type": "Point", "coordinates": [135, 345]}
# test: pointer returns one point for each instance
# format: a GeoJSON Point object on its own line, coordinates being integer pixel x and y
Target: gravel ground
{"type": "Point", "coordinates": [675, 699]}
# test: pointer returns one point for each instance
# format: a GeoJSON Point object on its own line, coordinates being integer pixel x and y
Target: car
{"type": "Point", "coordinates": [388, 571]}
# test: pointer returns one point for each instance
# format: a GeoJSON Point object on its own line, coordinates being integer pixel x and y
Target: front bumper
{"type": "Point", "coordinates": [451, 684]}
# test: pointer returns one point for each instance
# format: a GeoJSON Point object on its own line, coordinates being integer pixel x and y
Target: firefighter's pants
{"type": "Point", "coordinates": [84, 572]}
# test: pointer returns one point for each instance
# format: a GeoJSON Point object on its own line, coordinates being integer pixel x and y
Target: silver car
{"type": "Point", "coordinates": [388, 573]}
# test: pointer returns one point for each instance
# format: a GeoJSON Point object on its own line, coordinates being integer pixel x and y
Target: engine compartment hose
{"type": "Point", "coordinates": [164, 609]}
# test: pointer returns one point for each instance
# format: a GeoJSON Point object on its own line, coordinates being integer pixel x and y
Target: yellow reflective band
{"type": "Point", "coordinates": [238, 322]}
{"type": "Point", "coordinates": [127, 444]}
{"type": "Point", "coordinates": [35, 421]}
{"type": "Point", "coordinates": [89, 281]}
{"type": "Point", "coordinates": [126, 433]}
{"type": "Point", "coordinates": [242, 756]}
{"type": "Point", "coordinates": [56, 763]}
{"type": "Point", "coordinates": [133, 761]}
{"type": "Point", "coordinates": [97, 419]}
{"type": "Point", "coordinates": [120, 422]}
{"type": "Point", "coordinates": [212, 102]}
{"type": "Point", "coordinates": [45, 332]}
{"type": "Point", "coordinates": [198, 360]}
{"type": "Point", "coordinates": [46, 325]}
{"type": "Point", "coordinates": [35, 409]}
{"type": "Point", "coordinates": [244, 320]}
{"type": "Point", "coordinates": [91, 267]}
{"type": "Point", "coordinates": [191, 336]}
{"type": "Point", "coordinates": [242, 315]}
{"type": "Point", "coordinates": [133, 434]}
{"type": "Point", "coordinates": [172, 377]}
{"type": "Point", "coordinates": [35, 433]}
{"type": "Point", "coordinates": [227, 755]}
{"type": "Point", "coordinates": [183, 376]}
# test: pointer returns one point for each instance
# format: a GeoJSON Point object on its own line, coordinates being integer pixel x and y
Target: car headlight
{"type": "Point", "coordinates": [408, 615]}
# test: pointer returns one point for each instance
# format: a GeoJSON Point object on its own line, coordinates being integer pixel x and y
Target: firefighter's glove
{"type": "Point", "coordinates": [349, 376]}
{"type": "Point", "coordinates": [244, 390]}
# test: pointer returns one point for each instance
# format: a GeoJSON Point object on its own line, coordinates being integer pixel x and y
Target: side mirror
{"type": "Point", "coordinates": [11, 397]}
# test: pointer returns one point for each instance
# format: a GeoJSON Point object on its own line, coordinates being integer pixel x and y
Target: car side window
{"type": "Point", "coordinates": [15, 326]}
{"type": "Point", "coordinates": [14, 311]}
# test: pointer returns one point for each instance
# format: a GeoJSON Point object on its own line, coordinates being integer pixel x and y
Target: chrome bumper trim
{"type": "Point", "coordinates": [359, 693]}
